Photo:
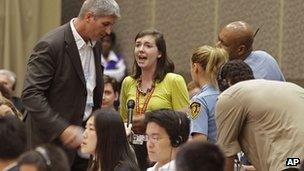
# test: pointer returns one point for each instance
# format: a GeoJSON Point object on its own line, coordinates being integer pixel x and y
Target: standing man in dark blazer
{"type": "Point", "coordinates": [63, 83]}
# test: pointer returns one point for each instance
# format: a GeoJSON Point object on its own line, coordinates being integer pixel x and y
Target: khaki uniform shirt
{"type": "Point", "coordinates": [264, 119]}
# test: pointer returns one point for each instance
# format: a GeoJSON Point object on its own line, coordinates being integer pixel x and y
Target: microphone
{"type": "Point", "coordinates": [130, 106]}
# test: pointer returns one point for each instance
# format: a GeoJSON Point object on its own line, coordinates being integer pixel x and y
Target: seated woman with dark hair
{"type": "Point", "coordinates": [110, 93]}
{"type": "Point", "coordinates": [106, 141]}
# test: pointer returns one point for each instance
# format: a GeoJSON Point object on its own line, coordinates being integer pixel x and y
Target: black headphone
{"type": "Point", "coordinates": [177, 139]}
{"type": "Point", "coordinates": [222, 82]}
{"type": "Point", "coordinates": [44, 154]}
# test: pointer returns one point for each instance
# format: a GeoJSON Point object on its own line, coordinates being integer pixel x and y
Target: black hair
{"type": "Point", "coordinates": [45, 158]}
{"type": "Point", "coordinates": [13, 137]}
{"type": "Point", "coordinates": [176, 124]}
{"type": "Point", "coordinates": [112, 81]}
{"type": "Point", "coordinates": [198, 155]}
{"type": "Point", "coordinates": [164, 64]}
{"type": "Point", "coordinates": [112, 37]}
{"type": "Point", "coordinates": [112, 147]}
{"type": "Point", "coordinates": [233, 71]}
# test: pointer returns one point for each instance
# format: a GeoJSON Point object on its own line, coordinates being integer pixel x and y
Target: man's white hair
{"type": "Point", "coordinates": [100, 8]}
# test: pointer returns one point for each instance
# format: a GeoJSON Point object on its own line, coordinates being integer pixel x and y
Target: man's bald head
{"type": "Point", "coordinates": [237, 39]}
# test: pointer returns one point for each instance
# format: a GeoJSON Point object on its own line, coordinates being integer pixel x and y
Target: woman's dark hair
{"type": "Point", "coordinates": [112, 149]}
{"type": "Point", "coordinates": [46, 158]}
{"type": "Point", "coordinates": [164, 64]}
{"type": "Point", "coordinates": [112, 81]}
{"type": "Point", "coordinates": [112, 37]}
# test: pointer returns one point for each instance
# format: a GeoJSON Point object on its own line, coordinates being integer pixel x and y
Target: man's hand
{"type": "Point", "coordinates": [72, 136]}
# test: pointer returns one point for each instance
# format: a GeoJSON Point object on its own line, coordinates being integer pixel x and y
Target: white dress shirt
{"type": "Point", "coordinates": [167, 167]}
{"type": "Point", "coordinates": [86, 54]}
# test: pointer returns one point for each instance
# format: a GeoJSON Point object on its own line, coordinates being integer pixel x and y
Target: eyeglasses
{"type": "Point", "coordinates": [154, 138]}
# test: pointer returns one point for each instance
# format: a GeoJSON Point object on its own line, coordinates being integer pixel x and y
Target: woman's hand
{"type": "Point", "coordinates": [138, 126]}
{"type": "Point", "coordinates": [128, 128]}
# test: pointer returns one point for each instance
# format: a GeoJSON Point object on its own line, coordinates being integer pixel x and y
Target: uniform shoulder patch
{"type": "Point", "coordinates": [195, 109]}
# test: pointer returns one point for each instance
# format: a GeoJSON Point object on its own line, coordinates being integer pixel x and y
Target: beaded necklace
{"type": "Point", "coordinates": [139, 91]}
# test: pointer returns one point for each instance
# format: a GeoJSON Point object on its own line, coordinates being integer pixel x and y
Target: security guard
{"type": "Point", "coordinates": [202, 114]}
{"type": "Point", "coordinates": [205, 64]}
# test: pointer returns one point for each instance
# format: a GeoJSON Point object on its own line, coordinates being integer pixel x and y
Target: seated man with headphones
{"type": "Point", "coordinates": [166, 130]}
{"type": "Point", "coordinates": [44, 158]}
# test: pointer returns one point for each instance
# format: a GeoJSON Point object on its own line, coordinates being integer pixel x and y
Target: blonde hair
{"type": "Point", "coordinates": [210, 59]}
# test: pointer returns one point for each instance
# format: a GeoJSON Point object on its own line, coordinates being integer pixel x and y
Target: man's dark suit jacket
{"type": "Point", "coordinates": [54, 93]}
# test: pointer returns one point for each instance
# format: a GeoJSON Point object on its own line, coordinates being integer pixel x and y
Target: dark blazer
{"type": "Point", "coordinates": [54, 93]}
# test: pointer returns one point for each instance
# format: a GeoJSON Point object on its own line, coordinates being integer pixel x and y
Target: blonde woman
{"type": "Point", "coordinates": [205, 64]}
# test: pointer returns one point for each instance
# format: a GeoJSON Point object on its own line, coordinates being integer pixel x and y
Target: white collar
{"type": "Point", "coordinates": [78, 39]}
{"type": "Point", "coordinates": [167, 167]}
